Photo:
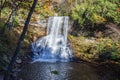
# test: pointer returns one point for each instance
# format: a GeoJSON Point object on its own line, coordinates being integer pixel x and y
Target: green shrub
{"type": "Point", "coordinates": [98, 11]}
{"type": "Point", "coordinates": [91, 49]}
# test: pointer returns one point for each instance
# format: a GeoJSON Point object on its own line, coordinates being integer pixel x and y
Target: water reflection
{"type": "Point", "coordinates": [58, 71]}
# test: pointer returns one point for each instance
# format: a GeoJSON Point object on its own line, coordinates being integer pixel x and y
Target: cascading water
{"type": "Point", "coordinates": [54, 46]}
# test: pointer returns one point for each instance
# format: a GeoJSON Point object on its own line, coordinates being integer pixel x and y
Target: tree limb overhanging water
{"type": "Point", "coordinates": [10, 67]}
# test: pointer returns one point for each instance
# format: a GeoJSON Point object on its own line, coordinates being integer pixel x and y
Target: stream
{"type": "Point", "coordinates": [58, 71]}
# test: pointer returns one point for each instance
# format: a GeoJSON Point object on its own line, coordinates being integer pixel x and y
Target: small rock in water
{"type": "Point", "coordinates": [55, 72]}
{"type": "Point", "coordinates": [18, 61]}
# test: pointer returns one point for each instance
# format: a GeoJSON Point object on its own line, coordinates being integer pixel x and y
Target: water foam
{"type": "Point", "coordinates": [54, 46]}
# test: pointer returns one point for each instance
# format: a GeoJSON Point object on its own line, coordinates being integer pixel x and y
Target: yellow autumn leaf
{"type": "Point", "coordinates": [98, 19]}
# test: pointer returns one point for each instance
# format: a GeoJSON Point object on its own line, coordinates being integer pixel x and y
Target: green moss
{"type": "Point", "coordinates": [89, 49]}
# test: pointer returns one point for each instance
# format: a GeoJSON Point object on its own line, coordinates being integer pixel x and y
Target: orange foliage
{"type": "Point", "coordinates": [118, 9]}
{"type": "Point", "coordinates": [48, 7]}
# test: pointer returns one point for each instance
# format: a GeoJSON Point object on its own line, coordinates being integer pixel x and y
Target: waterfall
{"type": "Point", "coordinates": [54, 46]}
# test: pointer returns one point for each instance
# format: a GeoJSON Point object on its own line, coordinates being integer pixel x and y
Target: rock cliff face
{"type": "Point", "coordinates": [112, 31]}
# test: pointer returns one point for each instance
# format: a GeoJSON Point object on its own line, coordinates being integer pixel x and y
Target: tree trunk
{"type": "Point", "coordinates": [21, 39]}
{"type": "Point", "coordinates": [10, 19]}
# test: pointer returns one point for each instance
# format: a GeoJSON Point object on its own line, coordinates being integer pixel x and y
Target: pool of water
{"type": "Point", "coordinates": [58, 71]}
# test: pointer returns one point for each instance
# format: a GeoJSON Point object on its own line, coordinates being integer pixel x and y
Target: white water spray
{"type": "Point", "coordinates": [53, 47]}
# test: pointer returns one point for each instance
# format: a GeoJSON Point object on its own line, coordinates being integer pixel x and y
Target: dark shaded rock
{"type": "Point", "coordinates": [112, 31]}
{"type": "Point", "coordinates": [74, 33]}
{"type": "Point", "coordinates": [105, 56]}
